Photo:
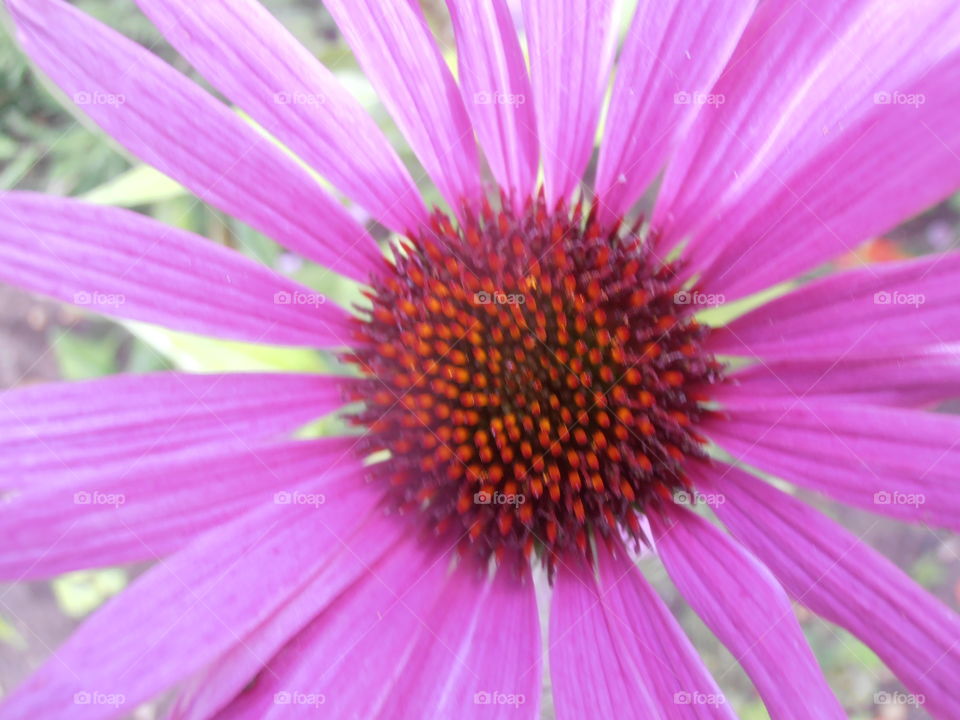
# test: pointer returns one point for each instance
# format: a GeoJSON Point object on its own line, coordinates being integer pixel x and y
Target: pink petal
{"type": "Point", "coordinates": [172, 124]}
{"type": "Point", "coordinates": [571, 45]}
{"type": "Point", "coordinates": [588, 677]}
{"type": "Point", "coordinates": [880, 307]}
{"type": "Point", "coordinates": [479, 656]}
{"type": "Point", "coordinates": [911, 378]}
{"type": "Point", "coordinates": [256, 63]}
{"type": "Point", "coordinates": [124, 264]}
{"type": "Point", "coordinates": [189, 609]}
{"type": "Point", "coordinates": [63, 431]}
{"type": "Point", "coordinates": [845, 581]}
{"type": "Point", "coordinates": [353, 654]}
{"type": "Point", "coordinates": [745, 607]}
{"type": "Point", "coordinates": [902, 463]}
{"type": "Point", "coordinates": [216, 686]}
{"type": "Point", "coordinates": [496, 91]}
{"type": "Point", "coordinates": [396, 50]}
{"type": "Point", "coordinates": [158, 506]}
{"type": "Point", "coordinates": [618, 629]}
{"type": "Point", "coordinates": [822, 100]}
{"type": "Point", "coordinates": [670, 59]}
{"type": "Point", "coordinates": [645, 630]}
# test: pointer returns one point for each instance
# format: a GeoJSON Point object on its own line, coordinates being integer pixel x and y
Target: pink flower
{"type": "Point", "coordinates": [532, 364]}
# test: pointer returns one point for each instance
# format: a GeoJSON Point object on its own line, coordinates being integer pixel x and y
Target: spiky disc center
{"type": "Point", "coordinates": [533, 378]}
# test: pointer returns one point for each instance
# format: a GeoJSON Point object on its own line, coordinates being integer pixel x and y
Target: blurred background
{"type": "Point", "coordinates": [45, 145]}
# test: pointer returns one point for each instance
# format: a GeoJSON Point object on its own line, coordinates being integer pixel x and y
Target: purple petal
{"type": "Point", "coordinates": [842, 579]}
{"type": "Point", "coordinates": [353, 654]}
{"type": "Point", "coordinates": [396, 50]}
{"type": "Point", "coordinates": [190, 609]}
{"type": "Point", "coordinates": [346, 563]}
{"type": "Point", "coordinates": [646, 632]}
{"type": "Point", "coordinates": [255, 62]}
{"type": "Point", "coordinates": [171, 123]}
{"type": "Point", "coordinates": [822, 100]}
{"type": "Point", "coordinates": [902, 463]}
{"type": "Point", "coordinates": [589, 678]}
{"type": "Point", "coordinates": [745, 607]}
{"type": "Point", "coordinates": [479, 656]}
{"type": "Point", "coordinates": [912, 378]}
{"type": "Point", "coordinates": [885, 307]}
{"type": "Point", "coordinates": [670, 59]}
{"type": "Point", "coordinates": [618, 628]}
{"type": "Point", "coordinates": [572, 45]}
{"type": "Point", "coordinates": [124, 264]}
{"type": "Point", "coordinates": [158, 506]}
{"type": "Point", "coordinates": [62, 431]}
{"type": "Point", "coordinates": [496, 91]}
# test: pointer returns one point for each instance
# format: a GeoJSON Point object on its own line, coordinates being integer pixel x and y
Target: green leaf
{"type": "Point", "coordinates": [854, 654]}
{"type": "Point", "coordinates": [80, 593]}
{"type": "Point", "coordinates": [343, 291]}
{"type": "Point", "coordinates": [753, 710]}
{"type": "Point", "coordinates": [195, 353]}
{"type": "Point", "coordinates": [143, 358]}
{"type": "Point", "coordinates": [10, 636]}
{"type": "Point", "coordinates": [17, 168]}
{"type": "Point", "coordinates": [140, 185]}
{"type": "Point", "coordinates": [929, 572]}
{"type": "Point", "coordinates": [727, 313]}
{"type": "Point", "coordinates": [82, 357]}
{"type": "Point", "coordinates": [8, 147]}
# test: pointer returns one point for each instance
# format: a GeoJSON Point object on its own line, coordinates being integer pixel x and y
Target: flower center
{"type": "Point", "coordinates": [533, 378]}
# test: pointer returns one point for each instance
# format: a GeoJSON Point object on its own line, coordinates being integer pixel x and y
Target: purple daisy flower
{"type": "Point", "coordinates": [536, 384]}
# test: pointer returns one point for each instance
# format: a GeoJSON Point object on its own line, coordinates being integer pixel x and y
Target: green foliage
{"type": "Point", "coordinates": [140, 185]}
{"type": "Point", "coordinates": [80, 593]}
